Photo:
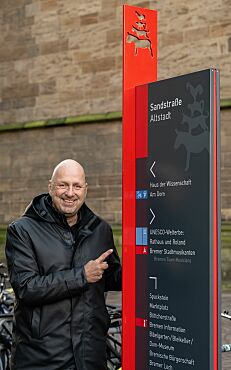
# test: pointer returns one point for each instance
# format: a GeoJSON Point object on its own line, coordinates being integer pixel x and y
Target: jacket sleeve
{"type": "Point", "coordinates": [29, 285]}
{"type": "Point", "coordinates": [114, 272]}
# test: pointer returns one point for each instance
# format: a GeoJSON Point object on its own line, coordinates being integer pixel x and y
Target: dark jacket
{"type": "Point", "coordinates": [60, 319]}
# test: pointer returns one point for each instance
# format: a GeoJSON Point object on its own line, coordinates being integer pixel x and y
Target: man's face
{"type": "Point", "coordinates": [68, 190]}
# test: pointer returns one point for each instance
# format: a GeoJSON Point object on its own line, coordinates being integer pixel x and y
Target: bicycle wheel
{"type": "Point", "coordinates": [6, 323]}
{"type": "Point", "coordinates": [5, 360]}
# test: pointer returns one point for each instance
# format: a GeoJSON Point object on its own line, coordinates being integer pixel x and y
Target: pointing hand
{"type": "Point", "coordinates": [94, 269]}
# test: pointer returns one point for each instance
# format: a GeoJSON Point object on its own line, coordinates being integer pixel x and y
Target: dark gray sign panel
{"type": "Point", "coordinates": [179, 216]}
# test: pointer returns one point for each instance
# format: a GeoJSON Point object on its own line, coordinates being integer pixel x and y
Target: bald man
{"type": "Point", "coordinates": [61, 259]}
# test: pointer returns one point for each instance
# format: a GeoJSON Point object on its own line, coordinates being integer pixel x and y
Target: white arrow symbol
{"type": "Point", "coordinates": [155, 280]}
{"type": "Point", "coordinates": [152, 168]}
{"type": "Point", "coordinates": [153, 216]}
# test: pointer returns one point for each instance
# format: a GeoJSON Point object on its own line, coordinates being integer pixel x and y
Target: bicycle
{"type": "Point", "coordinates": [113, 343]}
{"type": "Point", "coordinates": [6, 320]}
{"type": "Point", "coordinates": [226, 347]}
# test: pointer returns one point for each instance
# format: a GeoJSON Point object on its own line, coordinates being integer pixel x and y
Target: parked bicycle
{"type": "Point", "coordinates": [6, 319]}
{"type": "Point", "coordinates": [114, 337]}
{"type": "Point", "coordinates": [226, 347]}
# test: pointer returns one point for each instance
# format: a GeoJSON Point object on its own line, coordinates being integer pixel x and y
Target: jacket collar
{"type": "Point", "coordinates": [41, 209]}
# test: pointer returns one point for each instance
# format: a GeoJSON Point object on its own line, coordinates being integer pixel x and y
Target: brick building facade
{"type": "Point", "coordinates": [64, 59]}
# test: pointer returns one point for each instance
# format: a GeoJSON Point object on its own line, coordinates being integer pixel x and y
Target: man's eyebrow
{"type": "Point", "coordinates": [72, 183]}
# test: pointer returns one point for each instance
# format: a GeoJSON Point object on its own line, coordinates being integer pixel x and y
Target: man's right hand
{"type": "Point", "coordinates": [94, 269]}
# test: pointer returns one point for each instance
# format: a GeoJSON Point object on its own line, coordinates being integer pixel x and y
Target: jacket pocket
{"type": "Point", "coordinates": [35, 322]}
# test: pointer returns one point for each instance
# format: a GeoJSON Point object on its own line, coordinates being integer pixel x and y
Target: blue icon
{"type": "Point", "coordinates": [141, 194]}
{"type": "Point", "coordinates": [141, 236]}
{"type": "Point", "coordinates": [145, 236]}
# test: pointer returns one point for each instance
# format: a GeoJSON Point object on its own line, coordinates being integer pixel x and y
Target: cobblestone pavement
{"type": "Point", "coordinates": [115, 297]}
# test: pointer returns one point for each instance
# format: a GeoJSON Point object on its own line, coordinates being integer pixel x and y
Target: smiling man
{"type": "Point", "coordinates": [61, 259]}
{"type": "Point", "coordinates": [68, 189]}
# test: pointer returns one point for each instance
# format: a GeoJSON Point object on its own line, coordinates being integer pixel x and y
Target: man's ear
{"type": "Point", "coordinates": [49, 186]}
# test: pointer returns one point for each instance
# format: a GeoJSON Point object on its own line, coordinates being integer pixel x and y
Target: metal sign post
{"type": "Point", "coordinates": [171, 217]}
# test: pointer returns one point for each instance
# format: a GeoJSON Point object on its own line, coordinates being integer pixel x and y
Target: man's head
{"type": "Point", "coordinates": [68, 188]}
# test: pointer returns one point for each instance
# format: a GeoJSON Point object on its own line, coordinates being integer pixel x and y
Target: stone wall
{"type": "Point", "coordinates": [226, 164]}
{"type": "Point", "coordinates": [28, 158]}
{"type": "Point", "coordinates": [64, 58]}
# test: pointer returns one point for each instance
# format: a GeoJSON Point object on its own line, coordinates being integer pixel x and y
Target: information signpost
{"type": "Point", "coordinates": [177, 260]}
{"type": "Point", "coordinates": [171, 263]}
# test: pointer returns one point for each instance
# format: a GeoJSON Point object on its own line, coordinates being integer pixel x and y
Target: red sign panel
{"type": "Point", "coordinates": [139, 67]}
